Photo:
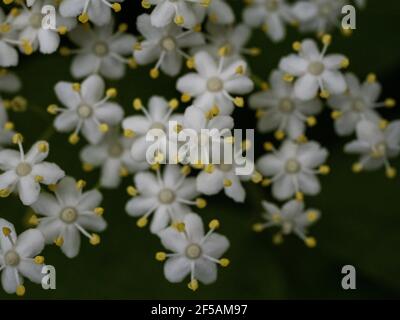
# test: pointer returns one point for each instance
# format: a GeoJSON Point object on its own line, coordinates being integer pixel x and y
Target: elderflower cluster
{"type": "Point", "coordinates": [202, 45]}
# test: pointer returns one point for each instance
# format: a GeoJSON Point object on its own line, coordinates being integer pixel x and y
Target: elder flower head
{"type": "Point", "coordinates": [279, 110]}
{"type": "Point", "coordinates": [69, 213]}
{"type": "Point", "coordinates": [213, 84]}
{"type": "Point", "coordinates": [19, 257]}
{"type": "Point", "coordinates": [25, 172]}
{"type": "Point", "coordinates": [292, 218]}
{"type": "Point", "coordinates": [168, 196]}
{"type": "Point", "coordinates": [87, 109]}
{"type": "Point", "coordinates": [292, 169]}
{"type": "Point", "coordinates": [314, 70]}
{"type": "Point", "coordinates": [193, 252]}
{"type": "Point", "coordinates": [376, 145]}
{"type": "Point", "coordinates": [164, 45]}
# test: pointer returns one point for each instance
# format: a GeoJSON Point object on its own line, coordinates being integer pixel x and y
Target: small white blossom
{"type": "Point", "coordinates": [218, 12]}
{"type": "Point", "coordinates": [96, 11]}
{"type": "Point", "coordinates": [158, 117]}
{"type": "Point", "coordinates": [168, 197]}
{"type": "Point", "coordinates": [69, 213]}
{"type": "Point", "coordinates": [279, 109]}
{"type": "Point", "coordinates": [194, 253]}
{"type": "Point", "coordinates": [86, 109]}
{"type": "Point", "coordinates": [292, 218]}
{"type": "Point", "coordinates": [8, 39]}
{"type": "Point", "coordinates": [376, 146]}
{"type": "Point", "coordinates": [214, 83]}
{"type": "Point", "coordinates": [314, 70]}
{"type": "Point", "coordinates": [292, 169]}
{"type": "Point", "coordinates": [113, 156]}
{"type": "Point", "coordinates": [19, 257]}
{"type": "Point", "coordinates": [25, 172]}
{"type": "Point", "coordinates": [164, 45]}
{"type": "Point", "coordinates": [9, 81]}
{"type": "Point", "coordinates": [101, 51]}
{"type": "Point", "coordinates": [271, 15]}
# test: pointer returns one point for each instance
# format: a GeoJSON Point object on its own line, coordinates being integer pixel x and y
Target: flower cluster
{"type": "Point", "coordinates": [203, 47]}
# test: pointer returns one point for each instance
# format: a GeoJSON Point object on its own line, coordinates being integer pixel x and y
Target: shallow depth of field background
{"type": "Point", "coordinates": [360, 213]}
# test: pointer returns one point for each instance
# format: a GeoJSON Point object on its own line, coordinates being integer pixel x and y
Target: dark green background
{"type": "Point", "coordinates": [360, 213]}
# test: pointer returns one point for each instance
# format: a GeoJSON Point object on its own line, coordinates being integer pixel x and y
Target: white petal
{"type": "Point", "coordinates": [110, 113]}
{"type": "Point", "coordinates": [294, 65]}
{"type": "Point", "coordinates": [309, 184]}
{"type": "Point", "coordinates": [334, 82]}
{"type": "Point", "coordinates": [176, 269]}
{"type": "Point", "coordinates": [205, 64]}
{"type": "Point", "coordinates": [194, 227]}
{"type": "Point", "coordinates": [49, 41]}
{"type": "Point", "coordinates": [66, 121]}
{"type": "Point", "coordinates": [50, 172]}
{"type": "Point", "coordinates": [29, 243]}
{"type": "Point", "coordinates": [72, 241]}
{"type": "Point", "coordinates": [89, 200]}
{"type": "Point", "coordinates": [47, 205]}
{"type": "Point", "coordinates": [270, 165]}
{"type": "Point", "coordinates": [215, 245]}
{"type": "Point", "coordinates": [162, 14]}
{"type": "Point", "coordinates": [28, 190]}
{"type": "Point", "coordinates": [283, 188]}
{"type": "Point", "coordinates": [31, 270]}
{"type": "Point", "coordinates": [67, 191]}
{"type": "Point", "coordinates": [173, 240]}
{"type": "Point", "coordinates": [192, 84]}
{"type": "Point", "coordinates": [84, 64]}
{"type": "Point", "coordinates": [210, 183]}
{"type": "Point", "coordinates": [139, 205]}
{"type": "Point", "coordinates": [306, 87]}
{"type": "Point", "coordinates": [9, 280]}
{"type": "Point", "coordinates": [68, 96]}
{"type": "Point", "coordinates": [92, 222]}
{"type": "Point", "coordinates": [205, 271]}
{"type": "Point", "coordinates": [92, 89]}
{"type": "Point", "coordinates": [160, 219]}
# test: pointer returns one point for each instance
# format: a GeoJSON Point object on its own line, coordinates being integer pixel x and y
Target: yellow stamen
{"type": "Point", "coordinates": [214, 224]}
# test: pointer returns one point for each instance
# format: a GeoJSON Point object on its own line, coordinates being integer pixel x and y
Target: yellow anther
{"type": "Point", "coordinates": [357, 167]}
{"type": "Point", "coordinates": [266, 182]}
{"type": "Point", "coordinates": [324, 169]}
{"type": "Point", "coordinates": [142, 222]}
{"type": "Point", "coordinates": [383, 124]}
{"type": "Point", "coordinates": [390, 103]}
{"type": "Point", "coordinates": [256, 177]}
{"type": "Point", "coordinates": [312, 216]}
{"type": "Point", "coordinates": [52, 109]}
{"type": "Point", "coordinates": [59, 241]}
{"type": "Point", "coordinates": [155, 167]}
{"type": "Point", "coordinates": [336, 114]}
{"type": "Point", "coordinates": [4, 28]}
{"type": "Point", "coordinates": [296, 46]}
{"type": "Point", "coordinates": [239, 102]}
{"type": "Point", "coordinates": [268, 146]}
{"type": "Point", "coordinates": [111, 93]}
{"type": "Point", "coordinates": [277, 239]}
{"type": "Point", "coordinates": [33, 220]}
{"type": "Point", "coordinates": [137, 46]}
{"type": "Point", "coordinates": [154, 73]}
{"type": "Point", "coordinates": [116, 7]}
{"type": "Point", "coordinates": [4, 193]}
{"type": "Point", "coordinates": [227, 183]}
{"type": "Point", "coordinates": [132, 191]}
{"type": "Point", "coordinates": [239, 70]}
{"type": "Point", "coordinates": [214, 224]}
{"type": "Point", "coordinates": [39, 259]}
{"type": "Point", "coordinates": [17, 138]}
{"type": "Point", "coordinates": [223, 51]}
{"type": "Point", "coordinates": [122, 27]}
{"type": "Point", "coordinates": [137, 104]}
{"type": "Point", "coordinates": [83, 18]}
{"type": "Point", "coordinates": [254, 51]}
{"type": "Point", "coordinates": [52, 187]}
{"type": "Point", "coordinates": [224, 262]}
{"type": "Point", "coordinates": [279, 135]}
{"type": "Point", "coordinates": [209, 168]}
{"type": "Point", "coordinates": [43, 147]}
{"type": "Point", "coordinates": [311, 121]}
{"type": "Point", "coordinates": [310, 242]}
{"type": "Point", "coordinates": [146, 4]}
{"type": "Point", "coordinates": [123, 171]}
{"type": "Point", "coordinates": [14, 11]}
{"type": "Point", "coordinates": [264, 86]}
{"type": "Point", "coordinates": [326, 39]}
{"type": "Point", "coordinates": [62, 30]}
{"type": "Point", "coordinates": [73, 138]}
{"type": "Point", "coordinates": [276, 217]}
{"type": "Point", "coordinates": [129, 133]}
{"type": "Point", "coordinates": [94, 239]}
{"type": "Point", "coordinates": [27, 47]}
{"type": "Point", "coordinates": [324, 94]}
{"type": "Point", "coordinates": [258, 227]}
{"type": "Point", "coordinates": [20, 291]}
{"type": "Point", "coordinates": [99, 211]}
{"type": "Point", "coordinates": [205, 3]}
{"type": "Point", "coordinates": [8, 126]}
{"type": "Point", "coordinates": [193, 285]}
{"type": "Point", "coordinates": [103, 127]}
{"type": "Point", "coordinates": [288, 77]}
{"type": "Point", "coordinates": [87, 167]}
{"type": "Point", "coordinates": [179, 20]}
{"type": "Point", "coordinates": [64, 51]}
{"type": "Point", "coordinates": [345, 63]}
{"type": "Point", "coordinates": [299, 196]}
{"type": "Point", "coordinates": [301, 139]}
{"type": "Point", "coordinates": [190, 63]}
{"type": "Point", "coordinates": [185, 97]}
{"type": "Point", "coordinates": [201, 203]}
{"type": "Point", "coordinates": [161, 256]}
{"type": "Point", "coordinates": [38, 179]}
{"type": "Point", "coordinates": [391, 172]}
{"type": "Point", "coordinates": [132, 63]}
{"type": "Point", "coordinates": [180, 226]}
{"type": "Point", "coordinates": [80, 184]}
{"type": "Point", "coordinates": [197, 28]}
{"type": "Point", "coordinates": [76, 86]}
{"type": "Point", "coordinates": [6, 231]}
{"type": "Point", "coordinates": [185, 170]}
{"type": "Point", "coordinates": [173, 104]}
{"type": "Point", "coordinates": [371, 78]}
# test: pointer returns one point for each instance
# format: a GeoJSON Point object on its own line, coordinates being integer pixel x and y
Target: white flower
{"type": "Point", "coordinates": [113, 155]}
{"type": "Point", "coordinates": [292, 169]}
{"type": "Point", "coordinates": [101, 51]}
{"type": "Point", "coordinates": [216, 177]}
{"type": "Point", "coordinates": [279, 109]}
{"type": "Point", "coordinates": [8, 38]}
{"type": "Point", "coordinates": [96, 11]}
{"type": "Point", "coordinates": [158, 116]}
{"type": "Point", "coordinates": [291, 219]}
{"type": "Point", "coordinates": [69, 213]}
{"type": "Point", "coordinates": [218, 12]}
{"type": "Point", "coordinates": [271, 15]}
{"type": "Point", "coordinates": [232, 38]}
{"type": "Point", "coordinates": [32, 36]}
{"type": "Point", "coordinates": [6, 127]}
{"type": "Point", "coordinates": [168, 197]}
{"type": "Point", "coordinates": [9, 81]}
{"type": "Point", "coordinates": [206, 137]}
{"type": "Point", "coordinates": [179, 11]}
{"type": "Point", "coordinates": [314, 70]}
{"type": "Point", "coordinates": [214, 83]}
{"type": "Point", "coordinates": [361, 3]}
{"type": "Point", "coordinates": [376, 146]}
{"type": "Point", "coordinates": [19, 257]}
{"type": "Point", "coordinates": [318, 16]}
{"type": "Point", "coordinates": [193, 253]}
{"type": "Point", "coordinates": [164, 45]}
{"type": "Point", "coordinates": [25, 172]}
{"type": "Point", "coordinates": [359, 102]}
{"type": "Point", "coordinates": [86, 109]}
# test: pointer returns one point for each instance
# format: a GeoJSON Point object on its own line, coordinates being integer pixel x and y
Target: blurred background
{"type": "Point", "coordinates": [360, 213]}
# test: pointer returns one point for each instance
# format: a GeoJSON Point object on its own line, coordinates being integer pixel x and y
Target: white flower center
{"type": "Point", "coordinates": [286, 105]}
{"type": "Point", "coordinates": [316, 68]}
{"type": "Point", "coordinates": [292, 166]}
{"type": "Point", "coordinates": [271, 5]}
{"type": "Point", "coordinates": [68, 215]}
{"type": "Point", "coordinates": [84, 111]}
{"type": "Point", "coordinates": [166, 196]}
{"type": "Point", "coordinates": [168, 43]}
{"type": "Point", "coordinates": [35, 20]}
{"type": "Point", "coordinates": [193, 251]}
{"type": "Point", "coordinates": [23, 169]}
{"type": "Point", "coordinates": [100, 49]}
{"type": "Point", "coordinates": [11, 258]}
{"type": "Point", "coordinates": [115, 150]}
{"type": "Point", "coordinates": [215, 84]}
{"type": "Point", "coordinates": [358, 105]}
{"type": "Point", "coordinates": [225, 167]}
